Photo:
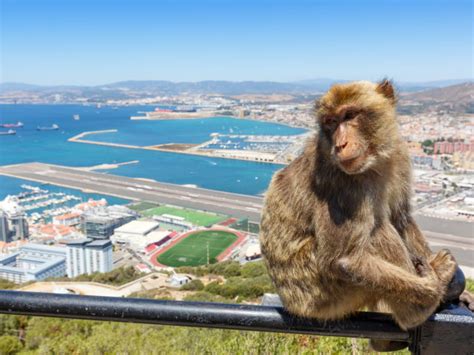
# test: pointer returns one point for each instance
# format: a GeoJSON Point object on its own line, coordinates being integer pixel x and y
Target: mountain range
{"type": "Point", "coordinates": [152, 88]}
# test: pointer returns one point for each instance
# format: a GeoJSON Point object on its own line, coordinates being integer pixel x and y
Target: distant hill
{"type": "Point", "coordinates": [458, 97]}
{"type": "Point", "coordinates": [461, 92]}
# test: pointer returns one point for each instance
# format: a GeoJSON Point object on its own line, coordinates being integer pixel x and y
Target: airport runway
{"type": "Point", "coordinates": [455, 235]}
{"type": "Point", "coordinates": [241, 206]}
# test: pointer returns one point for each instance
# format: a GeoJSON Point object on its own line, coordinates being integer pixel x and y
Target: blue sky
{"type": "Point", "coordinates": [102, 41]}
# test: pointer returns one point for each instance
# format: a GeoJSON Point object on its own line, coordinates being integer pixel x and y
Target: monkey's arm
{"type": "Point", "coordinates": [387, 279]}
{"type": "Point", "coordinates": [415, 240]}
{"type": "Point", "coordinates": [409, 297]}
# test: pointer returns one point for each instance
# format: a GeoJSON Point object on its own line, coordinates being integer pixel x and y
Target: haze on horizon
{"type": "Point", "coordinates": [53, 42]}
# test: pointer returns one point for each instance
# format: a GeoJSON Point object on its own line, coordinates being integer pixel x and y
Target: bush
{"type": "Point", "coordinates": [254, 269]}
{"type": "Point", "coordinates": [193, 285]}
{"type": "Point", "coordinates": [7, 285]}
{"type": "Point", "coordinates": [10, 345]}
{"type": "Point", "coordinates": [203, 296]}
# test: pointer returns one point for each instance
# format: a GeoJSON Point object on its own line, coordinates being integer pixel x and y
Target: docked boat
{"type": "Point", "coordinates": [54, 127]}
{"type": "Point", "coordinates": [12, 125]}
{"type": "Point", "coordinates": [10, 132]}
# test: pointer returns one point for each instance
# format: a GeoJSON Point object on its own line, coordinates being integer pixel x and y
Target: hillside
{"type": "Point", "coordinates": [454, 98]}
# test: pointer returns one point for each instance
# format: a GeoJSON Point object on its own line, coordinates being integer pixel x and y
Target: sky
{"type": "Point", "coordinates": [85, 42]}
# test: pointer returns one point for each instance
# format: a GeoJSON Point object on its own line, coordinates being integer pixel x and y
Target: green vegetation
{"type": "Point", "coordinates": [115, 277]}
{"type": "Point", "coordinates": [193, 285]}
{"type": "Point", "coordinates": [7, 285]}
{"type": "Point", "coordinates": [428, 146]}
{"type": "Point", "coordinates": [60, 336]}
{"type": "Point", "coordinates": [197, 218]}
{"type": "Point", "coordinates": [142, 206]}
{"type": "Point", "coordinates": [243, 283]}
{"type": "Point", "coordinates": [470, 285]}
{"type": "Point", "coordinates": [192, 250]}
{"type": "Point", "coordinates": [227, 269]}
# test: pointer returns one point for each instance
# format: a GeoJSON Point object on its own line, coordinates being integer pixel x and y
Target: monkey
{"type": "Point", "coordinates": [337, 233]}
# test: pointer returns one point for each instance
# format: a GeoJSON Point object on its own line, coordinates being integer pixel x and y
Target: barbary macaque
{"type": "Point", "coordinates": [337, 233]}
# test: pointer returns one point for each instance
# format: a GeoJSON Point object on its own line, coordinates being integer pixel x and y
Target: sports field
{"type": "Point", "coordinates": [192, 250]}
{"type": "Point", "coordinates": [198, 218]}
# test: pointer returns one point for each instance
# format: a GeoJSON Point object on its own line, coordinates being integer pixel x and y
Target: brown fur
{"type": "Point", "coordinates": [337, 238]}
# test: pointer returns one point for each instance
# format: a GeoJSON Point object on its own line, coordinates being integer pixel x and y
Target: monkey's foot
{"type": "Point", "coordinates": [387, 345]}
{"type": "Point", "coordinates": [444, 265]}
{"type": "Point", "coordinates": [468, 299]}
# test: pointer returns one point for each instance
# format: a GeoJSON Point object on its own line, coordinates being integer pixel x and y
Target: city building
{"type": "Point", "coordinates": [100, 222]}
{"type": "Point", "coordinates": [68, 219]}
{"type": "Point", "coordinates": [140, 235]}
{"type": "Point", "coordinates": [86, 256]}
{"type": "Point", "coordinates": [33, 262]}
{"type": "Point", "coordinates": [178, 280]}
{"type": "Point", "coordinates": [13, 223]}
{"type": "Point", "coordinates": [446, 147]}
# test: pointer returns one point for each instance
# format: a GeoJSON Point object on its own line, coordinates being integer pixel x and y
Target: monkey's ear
{"type": "Point", "coordinates": [385, 87]}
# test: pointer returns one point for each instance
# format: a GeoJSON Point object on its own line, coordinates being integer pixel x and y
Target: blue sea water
{"type": "Point", "coordinates": [30, 145]}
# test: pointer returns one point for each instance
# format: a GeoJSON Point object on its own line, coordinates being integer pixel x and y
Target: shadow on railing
{"type": "Point", "coordinates": [447, 332]}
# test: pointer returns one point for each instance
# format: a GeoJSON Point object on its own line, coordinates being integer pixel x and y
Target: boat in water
{"type": "Point", "coordinates": [10, 132]}
{"type": "Point", "coordinates": [12, 125]}
{"type": "Point", "coordinates": [76, 117]}
{"type": "Point", "coordinates": [54, 127]}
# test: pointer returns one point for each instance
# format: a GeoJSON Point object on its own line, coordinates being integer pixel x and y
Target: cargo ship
{"type": "Point", "coordinates": [10, 132]}
{"type": "Point", "coordinates": [12, 125]}
{"type": "Point", "coordinates": [54, 127]}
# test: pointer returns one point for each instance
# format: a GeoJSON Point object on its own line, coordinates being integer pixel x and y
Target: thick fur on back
{"type": "Point", "coordinates": [316, 215]}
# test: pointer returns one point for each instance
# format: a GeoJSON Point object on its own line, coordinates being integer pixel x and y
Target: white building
{"type": "Point", "coordinates": [137, 235]}
{"type": "Point", "coordinates": [86, 256]}
{"type": "Point", "coordinates": [33, 262]}
{"type": "Point", "coordinates": [68, 219]}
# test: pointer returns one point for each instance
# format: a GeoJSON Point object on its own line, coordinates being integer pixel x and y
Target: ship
{"type": "Point", "coordinates": [12, 125]}
{"type": "Point", "coordinates": [10, 132]}
{"type": "Point", "coordinates": [76, 117]}
{"type": "Point", "coordinates": [54, 127]}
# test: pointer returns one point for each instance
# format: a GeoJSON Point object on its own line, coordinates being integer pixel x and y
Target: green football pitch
{"type": "Point", "coordinates": [197, 218]}
{"type": "Point", "coordinates": [192, 250]}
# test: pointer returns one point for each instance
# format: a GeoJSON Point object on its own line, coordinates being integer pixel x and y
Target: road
{"type": "Point", "coordinates": [441, 233]}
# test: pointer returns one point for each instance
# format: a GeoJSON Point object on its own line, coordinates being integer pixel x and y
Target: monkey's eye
{"type": "Point", "coordinates": [349, 115]}
{"type": "Point", "coordinates": [330, 121]}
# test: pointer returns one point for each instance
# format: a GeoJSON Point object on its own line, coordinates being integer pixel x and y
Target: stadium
{"type": "Point", "coordinates": [198, 247]}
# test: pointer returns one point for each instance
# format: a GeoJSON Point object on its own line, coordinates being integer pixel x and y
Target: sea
{"type": "Point", "coordinates": [31, 145]}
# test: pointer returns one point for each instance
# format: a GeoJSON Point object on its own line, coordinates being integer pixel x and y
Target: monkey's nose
{"type": "Point", "coordinates": [340, 147]}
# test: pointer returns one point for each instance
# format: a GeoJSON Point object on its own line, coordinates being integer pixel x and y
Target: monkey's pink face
{"type": "Point", "coordinates": [349, 149]}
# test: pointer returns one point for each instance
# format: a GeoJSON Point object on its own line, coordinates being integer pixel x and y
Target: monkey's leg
{"type": "Point", "coordinates": [412, 299]}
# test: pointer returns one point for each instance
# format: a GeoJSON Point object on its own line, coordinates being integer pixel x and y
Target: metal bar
{"type": "Point", "coordinates": [195, 314]}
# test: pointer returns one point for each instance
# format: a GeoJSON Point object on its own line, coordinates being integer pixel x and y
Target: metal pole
{"type": "Point", "coordinates": [195, 314]}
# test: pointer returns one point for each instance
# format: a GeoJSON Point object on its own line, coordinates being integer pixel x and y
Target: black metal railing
{"type": "Point", "coordinates": [451, 329]}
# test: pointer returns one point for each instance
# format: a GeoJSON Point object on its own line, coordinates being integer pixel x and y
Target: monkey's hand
{"type": "Point", "coordinates": [468, 299]}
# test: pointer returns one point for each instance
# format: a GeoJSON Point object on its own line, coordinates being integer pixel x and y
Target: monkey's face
{"type": "Point", "coordinates": [357, 123]}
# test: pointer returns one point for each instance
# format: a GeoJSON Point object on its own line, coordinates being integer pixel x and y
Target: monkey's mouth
{"type": "Point", "coordinates": [354, 164]}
